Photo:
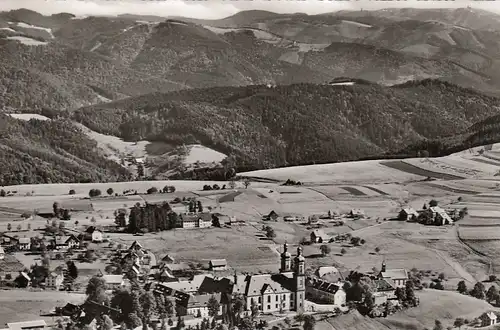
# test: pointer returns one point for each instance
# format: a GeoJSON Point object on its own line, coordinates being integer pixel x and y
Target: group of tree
{"type": "Point", "coordinates": [290, 182]}
{"type": "Point", "coordinates": [61, 213]}
{"type": "Point", "coordinates": [270, 233]}
{"type": "Point", "coordinates": [151, 217]}
{"type": "Point", "coordinates": [195, 206]}
{"type": "Point", "coordinates": [213, 187]}
{"type": "Point", "coordinates": [94, 193]}
{"type": "Point", "coordinates": [479, 291]}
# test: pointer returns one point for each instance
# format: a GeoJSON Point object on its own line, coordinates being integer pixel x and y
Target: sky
{"type": "Point", "coordinates": [214, 9]}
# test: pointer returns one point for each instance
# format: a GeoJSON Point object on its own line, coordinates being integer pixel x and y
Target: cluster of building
{"type": "Point", "coordinates": [433, 215]}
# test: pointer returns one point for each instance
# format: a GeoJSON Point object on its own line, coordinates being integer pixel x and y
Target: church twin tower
{"type": "Point", "coordinates": [297, 273]}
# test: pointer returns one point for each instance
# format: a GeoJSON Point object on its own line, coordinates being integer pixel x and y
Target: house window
{"type": "Point", "coordinates": [268, 306]}
{"type": "Point", "coordinates": [260, 300]}
{"type": "Point", "coordinates": [276, 305]}
{"type": "Point", "coordinates": [268, 299]}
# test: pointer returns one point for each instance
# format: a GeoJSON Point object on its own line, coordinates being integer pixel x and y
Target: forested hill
{"type": "Point", "coordinates": [51, 151]}
{"type": "Point", "coordinates": [296, 124]}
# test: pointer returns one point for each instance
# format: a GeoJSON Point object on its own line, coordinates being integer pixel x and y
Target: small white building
{"type": "Point", "coordinates": [97, 236]}
{"type": "Point", "coordinates": [24, 243]}
{"type": "Point", "coordinates": [114, 281]}
{"type": "Point", "coordinates": [2, 253]}
{"type": "Point", "coordinates": [54, 281]}
{"type": "Point", "coordinates": [408, 214]}
{"type": "Point", "coordinates": [218, 264]}
{"type": "Point", "coordinates": [319, 236]}
{"type": "Point", "coordinates": [488, 319]}
{"type": "Point", "coordinates": [398, 276]}
{"type": "Point", "coordinates": [27, 325]}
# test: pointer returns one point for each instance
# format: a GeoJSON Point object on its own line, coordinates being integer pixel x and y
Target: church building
{"type": "Point", "coordinates": [280, 292]}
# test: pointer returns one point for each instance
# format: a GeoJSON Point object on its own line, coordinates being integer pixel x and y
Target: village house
{"type": "Point", "coordinates": [135, 246]}
{"type": "Point", "coordinates": [27, 325]}
{"type": "Point", "coordinates": [54, 281]}
{"type": "Point", "coordinates": [398, 277]}
{"type": "Point", "coordinates": [408, 214]}
{"type": "Point", "coordinates": [218, 264]}
{"type": "Point", "coordinates": [356, 213]}
{"type": "Point", "coordinates": [319, 236]}
{"type": "Point", "coordinates": [313, 219]}
{"type": "Point", "coordinates": [488, 319]}
{"type": "Point", "coordinates": [65, 242]}
{"type": "Point", "coordinates": [333, 293]}
{"type": "Point", "coordinates": [197, 305]}
{"type": "Point", "coordinates": [168, 259]}
{"type": "Point", "coordinates": [195, 220]}
{"type": "Point", "coordinates": [24, 244]}
{"type": "Point", "coordinates": [2, 253]}
{"type": "Point", "coordinates": [435, 216]}
{"type": "Point", "coordinates": [272, 216]}
{"type": "Point", "coordinates": [384, 291]}
{"type": "Point", "coordinates": [114, 282]}
{"type": "Point", "coordinates": [95, 235]}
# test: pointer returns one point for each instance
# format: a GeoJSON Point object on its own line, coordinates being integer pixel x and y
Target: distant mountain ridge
{"type": "Point", "coordinates": [258, 79]}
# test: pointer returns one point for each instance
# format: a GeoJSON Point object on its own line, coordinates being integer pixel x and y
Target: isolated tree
{"type": "Point", "coordinates": [433, 203]}
{"type": "Point", "coordinates": [459, 322]}
{"type": "Point", "coordinates": [246, 183]}
{"type": "Point", "coordinates": [152, 190]}
{"type": "Point", "coordinates": [199, 206]}
{"type": "Point", "coordinates": [9, 227]}
{"type": "Point", "coordinates": [442, 276]}
{"type": "Point", "coordinates": [478, 291]}
{"type": "Point", "coordinates": [29, 226]}
{"type": "Point", "coordinates": [343, 251]}
{"type": "Point", "coordinates": [96, 290]}
{"type": "Point", "coordinates": [72, 192]}
{"type": "Point", "coordinates": [110, 191]}
{"type": "Point", "coordinates": [147, 303]}
{"type": "Point", "coordinates": [72, 270]}
{"type": "Point", "coordinates": [270, 233]}
{"type": "Point", "coordinates": [325, 249]}
{"type": "Point", "coordinates": [2, 193]}
{"type": "Point", "coordinates": [213, 306]}
{"type": "Point", "coordinates": [19, 227]}
{"type": "Point", "coordinates": [462, 287]}
{"type": "Point", "coordinates": [425, 208]}
{"type": "Point", "coordinates": [56, 209]}
{"type": "Point", "coordinates": [491, 293]}
{"type": "Point", "coordinates": [66, 215]}
{"type": "Point", "coordinates": [254, 310]}
{"type": "Point", "coordinates": [377, 249]}
{"type": "Point", "coordinates": [355, 241]}
{"type": "Point", "coordinates": [309, 322]}
{"type": "Point", "coordinates": [438, 325]}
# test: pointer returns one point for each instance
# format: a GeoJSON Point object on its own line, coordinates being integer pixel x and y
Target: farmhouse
{"type": "Point", "coordinates": [408, 214]}
{"type": "Point", "coordinates": [135, 246]}
{"type": "Point", "coordinates": [272, 216]}
{"type": "Point", "coordinates": [488, 319]}
{"type": "Point", "coordinates": [333, 293]}
{"type": "Point", "coordinates": [65, 242]}
{"type": "Point", "coordinates": [195, 220]}
{"type": "Point", "coordinates": [319, 236]}
{"type": "Point", "coordinates": [31, 325]}
{"type": "Point", "coordinates": [54, 281]}
{"type": "Point", "coordinates": [218, 264]}
{"type": "Point", "coordinates": [397, 276]}
{"type": "Point", "coordinates": [168, 259]}
{"type": "Point", "coordinates": [384, 291]}
{"type": "Point", "coordinates": [356, 213]}
{"type": "Point", "coordinates": [24, 244]}
{"type": "Point", "coordinates": [2, 253]}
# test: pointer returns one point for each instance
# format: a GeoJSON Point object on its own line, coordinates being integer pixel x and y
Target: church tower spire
{"type": "Point", "coordinates": [299, 276]}
{"type": "Point", "coordinates": [286, 259]}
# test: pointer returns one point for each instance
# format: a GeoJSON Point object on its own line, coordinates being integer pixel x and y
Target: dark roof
{"type": "Point", "coordinates": [323, 286]}
{"type": "Point", "coordinates": [211, 285]}
{"type": "Point", "coordinates": [205, 216]}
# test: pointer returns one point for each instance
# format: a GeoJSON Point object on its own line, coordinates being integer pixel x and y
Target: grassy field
{"type": "Point", "coordinates": [434, 305]}
{"type": "Point", "coordinates": [24, 305]}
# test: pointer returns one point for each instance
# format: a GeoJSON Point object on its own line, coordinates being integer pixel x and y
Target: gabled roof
{"type": "Point", "coordinates": [320, 233]}
{"type": "Point", "coordinates": [384, 285]}
{"type": "Point", "coordinates": [324, 286]}
{"type": "Point", "coordinates": [135, 244]}
{"type": "Point", "coordinates": [218, 262]}
{"type": "Point", "coordinates": [26, 324]}
{"type": "Point", "coordinates": [113, 279]}
{"type": "Point", "coordinates": [197, 301]}
{"type": "Point", "coordinates": [168, 258]}
{"type": "Point", "coordinates": [24, 240]}
{"type": "Point", "coordinates": [205, 216]}
{"type": "Point", "coordinates": [395, 274]}
{"type": "Point", "coordinates": [410, 211]}
{"type": "Point", "coordinates": [65, 239]}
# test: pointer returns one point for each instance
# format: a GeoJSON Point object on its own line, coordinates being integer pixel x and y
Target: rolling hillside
{"type": "Point", "coordinates": [297, 124]}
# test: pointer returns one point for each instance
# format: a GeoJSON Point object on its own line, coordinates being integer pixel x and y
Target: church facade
{"type": "Point", "coordinates": [280, 292]}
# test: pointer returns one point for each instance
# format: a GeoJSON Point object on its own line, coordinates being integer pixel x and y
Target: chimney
{"type": "Point", "coordinates": [383, 266]}
{"type": "Point", "coordinates": [235, 277]}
